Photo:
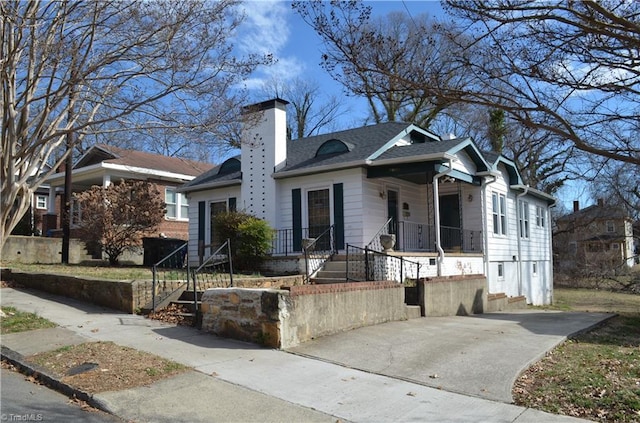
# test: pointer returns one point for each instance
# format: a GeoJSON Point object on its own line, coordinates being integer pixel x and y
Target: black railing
{"type": "Point", "coordinates": [284, 241]}
{"type": "Point", "coordinates": [215, 271]}
{"type": "Point", "coordinates": [364, 264]}
{"type": "Point", "coordinates": [375, 243]}
{"type": "Point", "coordinates": [318, 250]}
{"type": "Point", "coordinates": [417, 237]}
{"type": "Point", "coordinates": [171, 269]}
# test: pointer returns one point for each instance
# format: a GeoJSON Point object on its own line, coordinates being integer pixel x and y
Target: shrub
{"type": "Point", "coordinates": [250, 238]}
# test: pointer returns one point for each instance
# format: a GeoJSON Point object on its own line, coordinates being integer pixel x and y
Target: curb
{"type": "Point", "coordinates": [49, 380]}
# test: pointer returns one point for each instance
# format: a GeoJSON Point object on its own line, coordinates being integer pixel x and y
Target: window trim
{"type": "Point", "coordinates": [499, 213]}
{"type": "Point", "coordinates": [501, 271]}
{"type": "Point", "coordinates": [180, 202]}
{"type": "Point", "coordinates": [46, 201]}
{"type": "Point", "coordinates": [540, 217]}
{"type": "Point", "coordinates": [524, 219]}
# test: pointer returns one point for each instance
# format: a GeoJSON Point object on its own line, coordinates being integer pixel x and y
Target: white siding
{"type": "Point", "coordinates": [516, 253]}
{"type": "Point", "coordinates": [464, 163]}
{"type": "Point", "coordinates": [353, 203]}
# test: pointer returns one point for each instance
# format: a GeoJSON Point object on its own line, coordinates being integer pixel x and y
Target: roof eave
{"type": "Point", "coordinates": [318, 169]}
{"type": "Point", "coordinates": [535, 192]}
{"type": "Point", "coordinates": [420, 158]}
{"type": "Point", "coordinates": [210, 185]}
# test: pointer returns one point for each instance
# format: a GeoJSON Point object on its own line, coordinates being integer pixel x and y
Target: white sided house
{"type": "Point", "coordinates": [451, 208]}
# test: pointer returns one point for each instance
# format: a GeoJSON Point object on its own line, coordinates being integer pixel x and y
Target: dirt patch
{"type": "Point", "coordinates": [104, 366]}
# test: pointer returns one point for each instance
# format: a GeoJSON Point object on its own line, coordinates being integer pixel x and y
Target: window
{"type": "Point", "coordinates": [499, 205]}
{"type": "Point", "coordinates": [500, 270]}
{"type": "Point", "coordinates": [539, 217]}
{"type": "Point", "coordinates": [524, 219]}
{"type": "Point", "coordinates": [41, 201]}
{"type": "Point", "coordinates": [611, 227]}
{"type": "Point", "coordinates": [333, 146]}
{"type": "Point", "coordinates": [534, 268]}
{"type": "Point", "coordinates": [177, 204]}
{"type": "Point", "coordinates": [319, 213]}
{"type": "Point", "coordinates": [615, 246]}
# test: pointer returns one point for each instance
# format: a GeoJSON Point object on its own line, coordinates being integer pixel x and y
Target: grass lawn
{"type": "Point", "coordinates": [20, 321]}
{"type": "Point", "coordinates": [596, 375]}
{"type": "Point", "coordinates": [97, 271]}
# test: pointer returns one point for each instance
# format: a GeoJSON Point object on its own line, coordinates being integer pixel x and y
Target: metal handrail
{"type": "Point", "coordinates": [211, 260]}
{"type": "Point", "coordinates": [369, 254]}
{"type": "Point", "coordinates": [307, 249]}
{"type": "Point", "coordinates": [384, 230]}
{"type": "Point", "coordinates": [154, 272]}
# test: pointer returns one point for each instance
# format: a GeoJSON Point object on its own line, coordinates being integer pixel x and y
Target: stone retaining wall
{"type": "Point", "coordinates": [127, 296]}
{"type": "Point", "coordinates": [285, 318]}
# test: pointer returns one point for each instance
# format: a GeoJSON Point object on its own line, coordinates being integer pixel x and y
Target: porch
{"type": "Point", "coordinates": [409, 237]}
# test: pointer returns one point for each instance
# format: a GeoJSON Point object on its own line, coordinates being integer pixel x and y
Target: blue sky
{"type": "Point", "coordinates": [272, 26]}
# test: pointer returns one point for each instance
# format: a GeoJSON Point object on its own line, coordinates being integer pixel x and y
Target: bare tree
{"type": "Point", "coordinates": [84, 68]}
{"type": "Point", "coordinates": [407, 67]}
{"type": "Point", "coordinates": [569, 68]}
{"type": "Point", "coordinates": [311, 112]}
{"type": "Point", "coordinates": [116, 217]}
{"type": "Point", "coordinates": [374, 58]}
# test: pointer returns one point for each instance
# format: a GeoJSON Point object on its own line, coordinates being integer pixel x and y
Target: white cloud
{"type": "Point", "coordinates": [265, 28]}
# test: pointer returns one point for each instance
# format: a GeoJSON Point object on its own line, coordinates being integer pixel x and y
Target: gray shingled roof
{"type": "Point", "coordinates": [419, 149]}
{"type": "Point", "coordinates": [363, 142]}
{"type": "Point", "coordinates": [212, 176]}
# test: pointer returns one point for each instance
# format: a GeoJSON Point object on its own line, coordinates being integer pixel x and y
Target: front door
{"type": "Point", "coordinates": [319, 210]}
{"type": "Point", "coordinates": [450, 225]}
{"type": "Point", "coordinates": [392, 210]}
{"type": "Point", "coordinates": [216, 208]}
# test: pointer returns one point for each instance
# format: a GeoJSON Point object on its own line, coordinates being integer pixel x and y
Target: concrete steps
{"type": "Point", "coordinates": [413, 311]}
{"type": "Point", "coordinates": [499, 301]}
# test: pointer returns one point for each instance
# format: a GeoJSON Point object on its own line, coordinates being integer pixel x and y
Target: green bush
{"type": "Point", "coordinates": [250, 238]}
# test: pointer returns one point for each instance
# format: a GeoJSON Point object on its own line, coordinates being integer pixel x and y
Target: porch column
{"type": "Point", "coordinates": [106, 180]}
{"type": "Point", "coordinates": [51, 206]}
{"type": "Point", "coordinates": [436, 206]}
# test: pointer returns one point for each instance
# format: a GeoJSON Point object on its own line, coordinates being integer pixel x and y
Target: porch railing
{"type": "Point", "coordinates": [364, 264]}
{"type": "Point", "coordinates": [417, 237]}
{"type": "Point", "coordinates": [284, 243]}
{"type": "Point", "coordinates": [318, 250]}
{"type": "Point", "coordinates": [375, 244]}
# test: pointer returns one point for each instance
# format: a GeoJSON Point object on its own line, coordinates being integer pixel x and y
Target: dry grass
{"type": "Point", "coordinates": [116, 367]}
{"type": "Point", "coordinates": [596, 375]}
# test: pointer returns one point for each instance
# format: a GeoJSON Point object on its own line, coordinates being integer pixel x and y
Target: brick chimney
{"type": "Point", "coordinates": [576, 205]}
{"type": "Point", "coordinates": [263, 151]}
{"type": "Point", "coordinates": [600, 202]}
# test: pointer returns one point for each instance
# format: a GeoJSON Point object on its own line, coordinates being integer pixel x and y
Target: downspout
{"type": "Point", "coordinates": [436, 206]}
{"type": "Point", "coordinates": [485, 225]}
{"type": "Point", "coordinates": [519, 237]}
{"type": "Point", "coordinates": [550, 281]}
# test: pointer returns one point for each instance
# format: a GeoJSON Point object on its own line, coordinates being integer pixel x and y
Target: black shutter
{"type": "Point", "coordinates": [296, 200]}
{"type": "Point", "coordinates": [202, 209]}
{"type": "Point", "coordinates": [232, 204]}
{"type": "Point", "coordinates": [338, 215]}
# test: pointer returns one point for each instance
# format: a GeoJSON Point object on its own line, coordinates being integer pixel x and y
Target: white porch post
{"type": "Point", "coordinates": [436, 206]}
{"type": "Point", "coordinates": [51, 206]}
{"type": "Point", "coordinates": [106, 180]}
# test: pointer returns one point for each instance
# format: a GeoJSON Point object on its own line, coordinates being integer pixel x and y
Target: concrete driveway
{"type": "Point", "coordinates": [478, 355]}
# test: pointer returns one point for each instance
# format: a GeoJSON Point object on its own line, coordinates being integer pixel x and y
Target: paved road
{"type": "Point", "coordinates": [23, 400]}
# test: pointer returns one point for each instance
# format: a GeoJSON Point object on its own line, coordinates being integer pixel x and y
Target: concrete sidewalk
{"type": "Point", "coordinates": [234, 381]}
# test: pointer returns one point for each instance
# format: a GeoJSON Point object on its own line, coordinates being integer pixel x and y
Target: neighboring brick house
{"type": "Point", "coordinates": [101, 165]}
{"type": "Point", "coordinates": [598, 237]}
